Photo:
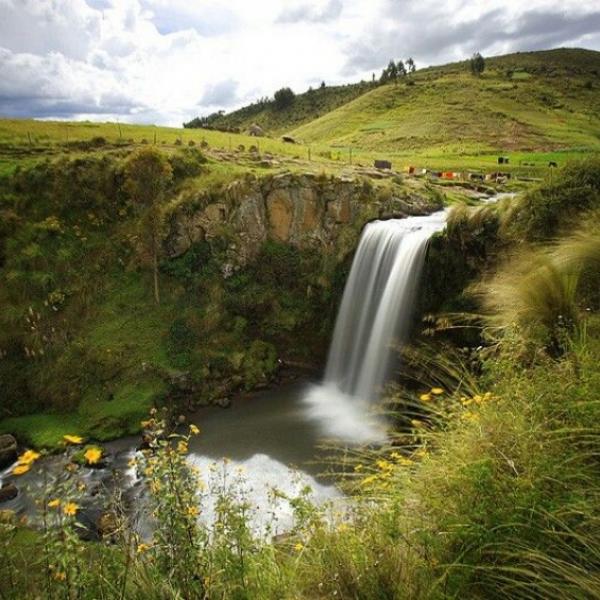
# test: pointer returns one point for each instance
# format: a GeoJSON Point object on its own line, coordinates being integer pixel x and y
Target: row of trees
{"type": "Point", "coordinates": [397, 70]}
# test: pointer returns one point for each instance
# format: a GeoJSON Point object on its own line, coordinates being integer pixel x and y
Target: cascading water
{"type": "Point", "coordinates": [376, 312]}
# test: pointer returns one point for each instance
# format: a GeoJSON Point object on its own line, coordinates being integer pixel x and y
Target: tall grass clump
{"type": "Point", "coordinates": [551, 208]}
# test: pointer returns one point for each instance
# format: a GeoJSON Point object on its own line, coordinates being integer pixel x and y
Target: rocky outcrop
{"type": "Point", "coordinates": [8, 492]}
{"type": "Point", "coordinates": [303, 210]}
{"type": "Point", "coordinates": [8, 450]}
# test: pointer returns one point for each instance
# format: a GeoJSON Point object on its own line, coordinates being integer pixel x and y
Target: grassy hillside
{"type": "Point", "coordinates": [306, 107]}
{"type": "Point", "coordinates": [540, 101]}
{"type": "Point", "coordinates": [25, 141]}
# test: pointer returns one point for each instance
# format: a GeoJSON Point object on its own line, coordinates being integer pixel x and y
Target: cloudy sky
{"type": "Point", "coordinates": [166, 61]}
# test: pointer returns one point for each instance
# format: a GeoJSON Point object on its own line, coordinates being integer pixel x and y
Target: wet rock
{"type": "Point", "coordinates": [107, 524]}
{"type": "Point", "coordinates": [8, 492]}
{"type": "Point", "coordinates": [8, 450]}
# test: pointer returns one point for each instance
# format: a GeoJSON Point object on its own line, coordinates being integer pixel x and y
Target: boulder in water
{"type": "Point", "coordinates": [8, 492]}
{"type": "Point", "coordinates": [8, 450]}
{"type": "Point", "coordinates": [223, 402]}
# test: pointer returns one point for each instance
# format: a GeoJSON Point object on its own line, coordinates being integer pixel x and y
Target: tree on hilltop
{"type": "Point", "coordinates": [477, 64]}
{"type": "Point", "coordinates": [392, 71]}
{"type": "Point", "coordinates": [284, 98]}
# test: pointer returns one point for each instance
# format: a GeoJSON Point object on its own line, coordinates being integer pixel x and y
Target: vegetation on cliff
{"type": "Point", "coordinates": [490, 489]}
{"type": "Point", "coordinates": [247, 270]}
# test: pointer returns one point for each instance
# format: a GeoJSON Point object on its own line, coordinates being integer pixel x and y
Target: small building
{"type": "Point", "coordinates": [503, 160]}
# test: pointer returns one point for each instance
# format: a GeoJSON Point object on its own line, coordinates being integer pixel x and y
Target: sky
{"type": "Point", "coordinates": [167, 61]}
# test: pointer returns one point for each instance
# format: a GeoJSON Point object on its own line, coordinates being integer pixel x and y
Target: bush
{"type": "Point", "coordinates": [284, 98]}
{"type": "Point", "coordinates": [187, 163]}
{"type": "Point", "coordinates": [548, 210]}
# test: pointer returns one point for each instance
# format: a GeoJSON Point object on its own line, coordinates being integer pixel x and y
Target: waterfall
{"type": "Point", "coordinates": [376, 312]}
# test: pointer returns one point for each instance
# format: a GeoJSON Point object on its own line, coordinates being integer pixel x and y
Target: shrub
{"type": "Point", "coordinates": [544, 212]}
{"type": "Point", "coordinates": [284, 98]}
{"type": "Point", "coordinates": [187, 163]}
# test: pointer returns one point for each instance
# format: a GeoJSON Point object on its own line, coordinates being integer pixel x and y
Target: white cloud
{"type": "Point", "coordinates": [170, 60]}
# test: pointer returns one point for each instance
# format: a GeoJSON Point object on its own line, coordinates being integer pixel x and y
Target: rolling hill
{"type": "Point", "coordinates": [534, 101]}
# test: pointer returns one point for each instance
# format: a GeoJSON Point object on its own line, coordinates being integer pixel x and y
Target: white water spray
{"type": "Point", "coordinates": [376, 312]}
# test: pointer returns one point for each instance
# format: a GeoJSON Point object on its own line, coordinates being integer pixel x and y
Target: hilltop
{"type": "Point", "coordinates": [540, 101]}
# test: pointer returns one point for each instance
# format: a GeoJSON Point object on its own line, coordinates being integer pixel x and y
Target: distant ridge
{"type": "Point", "coordinates": [528, 100]}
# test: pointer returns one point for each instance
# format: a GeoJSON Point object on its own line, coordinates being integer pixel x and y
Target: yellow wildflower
{"type": "Point", "coordinates": [20, 469]}
{"type": "Point", "coordinates": [60, 576]}
{"type": "Point", "coordinates": [437, 391]}
{"type": "Point", "coordinates": [142, 548]}
{"type": "Point", "coordinates": [182, 447]}
{"type": "Point", "coordinates": [385, 465]}
{"type": "Point", "coordinates": [194, 430]}
{"type": "Point", "coordinates": [425, 397]}
{"type": "Point", "coordinates": [93, 455]}
{"type": "Point", "coordinates": [470, 416]}
{"type": "Point", "coordinates": [368, 480]}
{"type": "Point", "coordinates": [402, 460]}
{"type": "Point", "coordinates": [28, 457]}
{"type": "Point", "coordinates": [73, 439]}
{"type": "Point", "coordinates": [54, 503]}
{"type": "Point", "coordinates": [70, 509]}
{"type": "Point", "coordinates": [298, 547]}
{"type": "Point", "coordinates": [193, 511]}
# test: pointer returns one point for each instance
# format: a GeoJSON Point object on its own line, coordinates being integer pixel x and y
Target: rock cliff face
{"type": "Point", "coordinates": [306, 211]}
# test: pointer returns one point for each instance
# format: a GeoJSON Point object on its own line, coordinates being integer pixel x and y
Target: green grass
{"type": "Point", "coordinates": [95, 418]}
{"type": "Point", "coordinates": [449, 117]}
{"type": "Point", "coordinates": [533, 107]}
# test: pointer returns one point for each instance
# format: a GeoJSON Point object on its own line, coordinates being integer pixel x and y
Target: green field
{"type": "Point", "coordinates": [533, 107]}
{"type": "Point", "coordinates": [450, 112]}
